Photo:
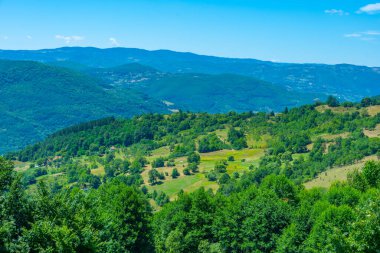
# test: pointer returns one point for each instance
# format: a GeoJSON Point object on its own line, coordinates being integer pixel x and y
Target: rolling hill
{"type": "Point", "coordinates": [196, 92]}
{"type": "Point", "coordinates": [221, 93]}
{"type": "Point", "coordinates": [38, 99]}
{"type": "Point", "coordinates": [349, 82]}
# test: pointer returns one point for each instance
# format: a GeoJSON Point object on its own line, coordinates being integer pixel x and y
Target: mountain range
{"type": "Point", "coordinates": [46, 90]}
{"type": "Point", "coordinates": [348, 82]}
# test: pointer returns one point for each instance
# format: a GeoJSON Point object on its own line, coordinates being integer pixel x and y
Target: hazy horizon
{"type": "Point", "coordinates": [331, 32]}
{"type": "Point", "coordinates": [188, 52]}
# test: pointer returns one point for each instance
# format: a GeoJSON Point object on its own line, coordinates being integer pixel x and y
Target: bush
{"type": "Point", "coordinates": [175, 173]}
{"type": "Point", "coordinates": [224, 178]}
{"type": "Point", "coordinates": [186, 172]}
{"type": "Point", "coordinates": [211, 176]}
{"type": "Point", "coordinates": [193, 167]}
{"type": "Point", "coordinates": [158, 163]}
{"type": "Point", "coordinates": [221, 166]}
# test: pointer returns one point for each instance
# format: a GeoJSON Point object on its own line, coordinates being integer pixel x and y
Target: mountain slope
{"type": "Point", "coordinates": [221, 93]}
{"type": "Point", "coordinates": [38, 99]}
{"type": "Point", "coordinates": [346, 81]}
{"type": "Point", "coordinates": [203, 92]}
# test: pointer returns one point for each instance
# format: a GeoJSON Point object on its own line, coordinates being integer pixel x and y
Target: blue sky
{"type": "Point", "coordinates": [319, 31]}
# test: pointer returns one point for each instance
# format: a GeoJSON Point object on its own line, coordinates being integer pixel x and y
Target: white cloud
{"type": "Point", "coordinates": [114, 42]}
{"type": "Point", "coordinates": [29, 37]}
{"type": "Point", "coordinates": [366, 36]}
{"type": "Point", "coordinates": [69, 39]}
{"type": "Point", "coordinates": [373, 33]}
{"type": "Point", "coordinates": [5, 37]}
{"type": "Point", "coordinates": [370, 9]}
{"type": "Point", "coordinates": [353, 35]}
{"type": "Point", "coordinates": [337, 12]}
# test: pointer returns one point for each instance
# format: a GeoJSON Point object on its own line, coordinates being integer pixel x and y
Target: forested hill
{"type": "Point", "coordinates": [38, 99]}
{"type": "Point", "coordinates": [346, 81]}
{"type": "Point", "coordinates": [197, 182]}
{"type": "Point", "coordinates": [283, 137]}
{"type": "Point", "coordinates": [203, 92]}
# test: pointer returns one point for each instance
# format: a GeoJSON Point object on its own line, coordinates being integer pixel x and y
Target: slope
{"type": "Point", "coordinates": [38, 99]}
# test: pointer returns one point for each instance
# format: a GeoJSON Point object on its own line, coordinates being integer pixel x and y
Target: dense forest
{"type": "Point", "coordinates": [118, 185]}
{"type": "Point", "coordinates": [274, 215]}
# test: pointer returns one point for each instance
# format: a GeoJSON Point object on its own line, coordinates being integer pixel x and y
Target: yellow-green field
{"type": "Point", "coordinates": [325, 179]}
{"type": "Point", "coordinates": [371, 110]}
{"type": "Point", "coordinates": [329, 137]}
{"type": "Point", "coordinates": [21, 166]}
{"type": "Point", "coordinates": [190, 183]}
{"type": "Point", "coordinates": [373, 133]}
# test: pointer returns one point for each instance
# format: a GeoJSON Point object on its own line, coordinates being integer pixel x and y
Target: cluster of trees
{"type": "Point", "coordinates": [237, 139]}
{"type": "Point", "coordinates": [113, 218]}
{"type": "Point", "coordinates": [265, 210]}
{"type": "Point", "coordinates": [177, 131]}
{"type": "Point", "coordinates": [273, 215]}
{"type": "Point", "coordinates": [210, 143]}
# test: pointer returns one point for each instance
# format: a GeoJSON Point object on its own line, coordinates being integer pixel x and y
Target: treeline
{"type": "Point", "coordinates": [290, 131]}
{"type": "Point", "coordinates": [95, 138]}
{"type": "Point", "coordinates": [273, 215]}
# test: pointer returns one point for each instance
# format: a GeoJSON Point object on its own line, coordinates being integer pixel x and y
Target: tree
{"type": "Point", "coordinates": [371, 173]}
{"type": "Point", "coordinates": [211, 176]}
{"type": "Point", "coordinates": [152, 176]}
{"type": "Point", "coordinates": [186, 171]}
{"type": "Point", "coordinates": [6, 173]}
{"type": "Point", "coordinates": [329, 234]}
{"type": "Point", "coordinates": [210, 143]}
{"type": "Point", "coordinates": [224, 178]}
{"type": "Point", "coordinates": [332, 101]}
{"type": "Point", "coordinates": [237, 139]}
{"type": "Point", "coordinates": [193, 167]}
{"type": "Point", "coordinates": [123, 214]}
{"type": "Point", "coordinates": [159, 162]}
{"type": "Point", "coordinates": [175, 173]}
{"type": "Point", "coordinates": [194, 158]}
{"type": "Point", "coordinates": [221, 166]}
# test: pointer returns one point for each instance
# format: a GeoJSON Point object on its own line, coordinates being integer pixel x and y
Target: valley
{"type": "Point", "coordinates": [189, 126]}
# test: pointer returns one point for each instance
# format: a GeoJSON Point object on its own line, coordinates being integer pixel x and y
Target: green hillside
{"type": "Point", "coordinates": [197, 182]}
{"type": "Point", "coordinates": [204, 93]}
{"type": "Point", "coordinates": [38, 99]}
{"type": "Point", "coordinates": [222, 93]}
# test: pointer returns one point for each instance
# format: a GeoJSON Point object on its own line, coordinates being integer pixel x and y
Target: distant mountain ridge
{"type": "Point", "coordinates": [38, 99]}
{"type": "Point", "coordinates": [349, 82]}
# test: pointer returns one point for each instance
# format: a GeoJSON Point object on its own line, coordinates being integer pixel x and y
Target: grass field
{"type": "Point", "coordinates": [371, 110]}
{"type": "Point", "coordinates": [21, 166]}
{"type": "Point", "coordinates": [330, 137]}
{"type": "Point", "coordinates": [195, 181]}
{"type": "Point", "coordinates": [373, 133]}
{"type": "Point", "coordinates": [325, 179]}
